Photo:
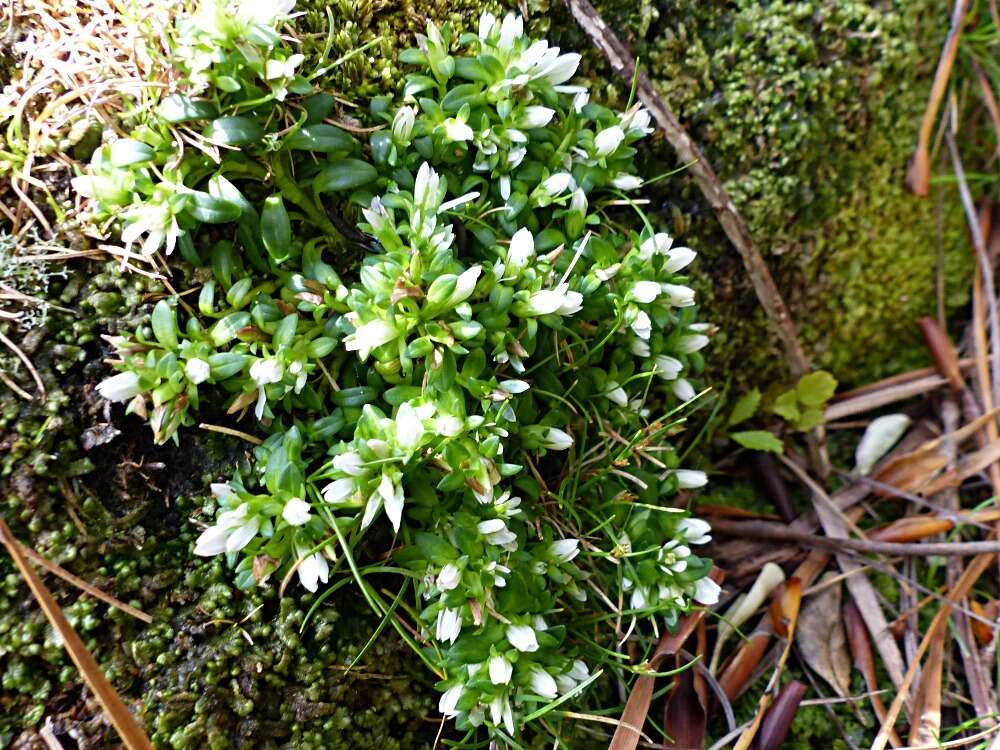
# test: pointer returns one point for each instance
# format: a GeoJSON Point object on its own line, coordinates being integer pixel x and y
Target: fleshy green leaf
{"type": "Point", "coordinates": [745, 408]}
{"type": "Point", "coordinates": [759, 440]}
{"type": "Point", "coordinates": [346, 174]}
{"type": "Point", "coordinates": [816, 388]}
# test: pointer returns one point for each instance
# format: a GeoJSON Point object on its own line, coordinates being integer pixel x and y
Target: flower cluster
{"type": "Point", "coordinates": [493, 383]}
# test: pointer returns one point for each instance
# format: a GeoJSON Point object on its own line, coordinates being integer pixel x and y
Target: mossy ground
{"type": "Point", "coordinates": [807, 110]}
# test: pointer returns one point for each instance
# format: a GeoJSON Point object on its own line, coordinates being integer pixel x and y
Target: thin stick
{"type": "Point", "coordinates": [81, 584]}
{"type": "Point", "coordinates": [779, 532]}
{"type": "Point", "coordinates": [230, 431]}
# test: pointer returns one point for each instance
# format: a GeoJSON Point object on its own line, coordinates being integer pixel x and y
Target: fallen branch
{"type": "Point", "coordinates": [781, 533]}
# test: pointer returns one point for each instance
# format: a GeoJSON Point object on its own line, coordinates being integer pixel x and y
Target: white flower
{"type": "Point", "coordinates": [638, 599]}
{"type": "Point", "coordinates": [339, 490]}
{"type": "Point", "coordinates": [562, 68]}
{"type": "Point", "coordinates": [402, 124]}
{"type": "Point", "coordinates": [155, 218]}
{"type": "Point", "coordinates": [449, 577]}
{"type": "Point", "coordinates": [409, 427]}
{"type": "Point", "coordinates": [580, 100]}
{"type": "Point", "coordinates": [521, 250]}
{"type": "Point", "coordinates": [557, 184]}
{"type": "Point", "coordinates": [448, 425]}
{"type": "Point", "coordinates": [121, 387]}
{"type": "Point", "coordinates": [672, 557]}
{"type": "Point", "coordinates": [511, 30]}
{"type": "Point", "coordinates": [690, 344]}
{"type": "Point", "coordinates": [266, 371]}
{"type": "Point", "coordinates": [608, 140]}
{"type": "Point", "coordinates": [296, 512]}
{"type": "Point", "coordinates": [392, 498]}
{"type": "Point", "coordinates": [658, 244]}
{"type": "Point", "coordinates": [689, 479]}
{"type": "Point", "coordinates": [486, 23]}
{"type": "Point", "coordinates": [695, 530]}
{"type": "Point", "coordinates": [312, 570]}
{"type": "Point", "coordinates": [639, 348]}
{"type": "Point", "coordinates": [500, 670]}
{"type": "Point", "coordinates": [535, 116]}
{"type": "Point", "coordinates": [642, 326]}
{"type": "Point", "coordinates": [264, 13]}
{"type": "Point", "coordinates": [668, 367]}
{"type": "Point", "coordinates": [459, 201]}
{"type": "Point", "coordinates": [275, 69]}
{"type": "Point", "coordinates": [557, 440]}
{"type": "Point", "coordinates": [579, 671]}
{"type": "Point", "coordinates": [564, 550]}
{"type": "Point", "coordinates": [456, 130]}
{"type": "Point", "coordinates": [197, 370]}
{"type": "Point", "coordinates": [637, 120]}
{"type": "Point", "coordinates": [683, 389]}
{"type": "Point", "coordinates": [369, 336]}
{"type": "Point", "coordinates": [616, 394]}
{"type": "Point", "coordinates": [232, 531]}
{"type": "Point", "coordinates": [706, 591]}
{"type": "Point", "coordinates": [349, 463]}
{"type": "Point", "coordinates": [500, 709]}
{"type": "Point", "coordinates": [514, 387]}
{"type": "Point", "coordinates": [644, 291]}
{"type": "Point", "coordinates": [464, 286]}
{"type": "Point", "coordinates": [624, 181]}
{"type": "Point", "coordinates": [522, 637]}
{"type": "Point", "coordinates": [496, 532]}
{"type": "Point", "coordinates": [542, 683]}
{"type": "Point", "coordinates": [448, 704]}
{"type": "Point", "coordinates": [449, 625]}
{"type": "Point", "coordinates": [678, 258]}
{"type": "Point", "coordinates": [678, 296]}
{"type": "Point", "coordinates": [425, 187]}
{"type": "Point", "coordinates": [223, 491]}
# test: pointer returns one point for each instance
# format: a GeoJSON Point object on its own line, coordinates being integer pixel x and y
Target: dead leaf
{"type": "Point", "coordinates": [685, 715]}
{"type": "Point", "coordinates": [821, 638]}
{"type": "Point", "coordinates": [778, 720]}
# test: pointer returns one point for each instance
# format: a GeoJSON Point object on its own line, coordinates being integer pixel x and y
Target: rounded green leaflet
{"type": "Point", "coordinates": [164, 324]}
{"type": "Point", "coordinates": [323, 137]}
{"type": "Point", "coordinates": [275, 228]}
{"type": "Point", "coordinates": [125, 152]}
{"type": "Point", "coordinates": [234, 131]}
{"type": "Point", "coordinates": [211, 210]}
{"type": "Point", "coordinates": [177, 108]}
{"type": "Point", "coordinates": [347, 174]}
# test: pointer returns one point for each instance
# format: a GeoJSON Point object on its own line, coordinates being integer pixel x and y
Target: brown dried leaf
{"type": "Point", "coordinates": [822, 641]}
{"type": "Point", "coordinates": [685, 715]}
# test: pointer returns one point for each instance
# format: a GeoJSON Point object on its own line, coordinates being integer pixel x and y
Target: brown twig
{"type": "Point", "coordinates": [918, 172]}
{"type": "Point", "coordinates": [778, 532]}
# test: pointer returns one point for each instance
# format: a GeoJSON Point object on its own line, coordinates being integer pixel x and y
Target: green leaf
{"type": "Point", "coordinates": [787, 406]}
{"type": "Point", "coordinates": [226, 329]}
{"type": "Point", "coordinates": [323, 138]}
{"type": "Point", "coordinates": [177, 108]}
{"type": "Point", "coordinates": [275, 228]}
{"type": "Point", "coordinates": [745, 408]}
{"type": "Point", "coordinates": [125, 152]}
{"type": "Point", "coordinates": [759, 440]}
{"type": "Point", "coordinates": [234, 131]}
{"type": "Point", "coordinates": [809, 418]}
{"type": "Point", "coordinates": [164, 324]}
{"type": "Point", "coordinates": [816, 388]}
{"type": "Point", "coordinates": [211, 210]}
{"type": "Point", "coordinates": [346, 174]}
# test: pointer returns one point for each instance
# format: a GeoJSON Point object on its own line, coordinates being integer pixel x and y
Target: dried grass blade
{"type": "Point", "coordinates": [124, 723]}
{"type": "Point", "coordinates": [864, 662]}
